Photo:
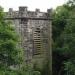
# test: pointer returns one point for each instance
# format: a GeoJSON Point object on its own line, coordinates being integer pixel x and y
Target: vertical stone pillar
{"type": "Point", "coordinates": [49, 11]}
{"type": "Point", "coordinates": [23, 11]}
{"type": "Point", "coordinates": [10, 12]}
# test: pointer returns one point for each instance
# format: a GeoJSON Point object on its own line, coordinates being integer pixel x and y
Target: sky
{"type": "Point", "coordinates": [43, 5]}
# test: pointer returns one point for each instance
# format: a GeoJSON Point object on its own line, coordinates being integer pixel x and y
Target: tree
{"type": "Point", "coordinates": [63, 37]}
{"type": "Point", "coordinates": [71, 3]}
{"type": "Point", "coordinates": [10, 54]}
{"type": "Point", "coordinates": [59, 22]}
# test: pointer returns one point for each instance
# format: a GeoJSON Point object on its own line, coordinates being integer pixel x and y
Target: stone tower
{"type": "Point", "coordinates": [34, 29]}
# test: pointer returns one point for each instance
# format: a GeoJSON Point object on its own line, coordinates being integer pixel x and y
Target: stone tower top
{"type": "Point", "coordinates": [10, 9]}
{"type": "Point", "coordinates": [23, 8]}
{"type": "Point", "coordinates": [24, 12]}
{"type": "Point", "coordinates": [37, 10]}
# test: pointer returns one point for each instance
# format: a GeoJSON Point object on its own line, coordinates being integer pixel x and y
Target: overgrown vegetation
{"type": "Point", "coordinates": [64, 39]}
{"type": "Point", "coordinates": [10, 54]}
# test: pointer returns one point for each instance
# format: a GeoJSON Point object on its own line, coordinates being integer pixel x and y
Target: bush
{"type": "Point", "coordinates": [36, 73]}
{"type": "Point", "coordinates": [2, 72]}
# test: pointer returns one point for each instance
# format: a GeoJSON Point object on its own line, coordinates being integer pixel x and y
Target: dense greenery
{"type": "Point", "coordinates": [10, 54]}
{"type": "Point", "coordinates": [64, 39]}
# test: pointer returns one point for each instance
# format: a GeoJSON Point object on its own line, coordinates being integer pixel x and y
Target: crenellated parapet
{"type": "Point", "coordinates": [24, 12]}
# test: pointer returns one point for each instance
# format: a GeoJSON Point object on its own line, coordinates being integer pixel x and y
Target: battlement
{"type": "Point", "coordinates": [24, 12]}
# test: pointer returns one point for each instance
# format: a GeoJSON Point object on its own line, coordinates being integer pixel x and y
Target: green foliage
{"type": "Point", "coordinates": [64, 37]}
{"type": "Point", "coordinates": [71, 3]}
{"type": "Point", "coordinates": [10, 54]}
{"type": "Point", "coordinates": [69, 39]}
{"type": "Point", "coordinates": [36, 73]}
{"type": "Point", "coordinates": [69, 68]}
{"type": "Point", "coordinates": [59, 16]}
{"type": "Point", "coordinates": [5, 72]}
{"type": "Point", "coordinates": [59, 22]}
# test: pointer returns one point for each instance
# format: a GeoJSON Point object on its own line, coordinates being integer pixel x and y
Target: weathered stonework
{"type": "Point", "coordinates": [34, 28]}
